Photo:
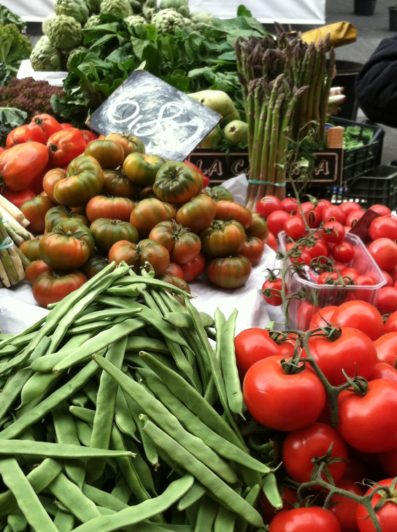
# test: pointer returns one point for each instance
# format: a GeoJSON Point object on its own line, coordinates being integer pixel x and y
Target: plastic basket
{"type": "Point", "coordinates": [378, 186]}
{"type": "Point", "coordinates": [361, 160]}
{"type": "Point", "coordinates": [313, 296]}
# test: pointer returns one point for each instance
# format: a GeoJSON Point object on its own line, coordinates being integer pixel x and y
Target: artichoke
{"type": "Point", "coordinates": [45, 56]}
{"type": "Point", "coordinates": [118, 8]}
{"type": "Point", "coordinates": [64, 32]}
{"type": "Point", "coordinates": [135, 20]}
{"type": "Point", "coordinates": [73, 8]}
{"type": "Point", "coordinates": [168, 20]}
{"type": "Point", "coordinates": [182, 6]}
{"type": "Point", "coordinates": [93, 21]}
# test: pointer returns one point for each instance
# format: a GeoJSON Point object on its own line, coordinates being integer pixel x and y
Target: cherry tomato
{"type": "Point", "coordinates": [386, 348]}
{"type": "Point", "coordinates": [362, 294]}
{"type": "Point", "coordinates": [294, 227]}
{"type": "Point", "coordinates": [276, 220]}
{"type": "Point", "coordinates": [343, 252]}
{"type": "Point", "coordinates": [353, 217]}
{"type": "Point", "coordinates": [383, 227]}
{"type": "Point", "coordinates": [267, 204]}
{"type": "Point", "coordinates": [349, 206]}
{"type": "Point", "coordinates": [271, 241]}
{"type": "Point", "coordinates": [386, 299]}
{"type": "Point", "coordinates": [380, 209]}
{"type": "Point", "coordinates": [388, 278]}
{"type": "Point", "coordinates": [349, 273]}
{"type": "Point", "coordinates": [391, 323]}
{"type": "Point", "coordinates": [383, 370]}
{"type": "Point", "coordinates": [384, 251]}
{"type": "Point", "coordinates": [333, 231]}
{"type": "Point", "coordinates": [328, 278]}
{"type": "Point", "coordinates": [280, 400]}
{"type": "Point", "coordinates": [333, 213]}
{"type": "Point", "coordinates": [302, 448]}
{"type": "Point", "coordinates": [359, 315]}
{"type": "Point", "coordinates": [289, 205]}
{"type": "Point", "coordinates": [271, 291]}
{"type": "Point", "coordinates": [319, 248]}
{"type": "Point", "coordinates": [386, 512]}
{"type": "Point", "coordinates": [304, 520]}
{"type": "Point", "coordinates": [252, 345]}
{"type": "Point", "coordinates": [368, 422]}
{"type": "Point", "coordinates": [321, 205]}
{"type": "Point", "coordinates": [322, 317]}
{"type": "Point", "coordinates": [344, 508]}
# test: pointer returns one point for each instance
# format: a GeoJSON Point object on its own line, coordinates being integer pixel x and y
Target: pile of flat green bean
{"type": "Point", "coordinates": [122, 410]}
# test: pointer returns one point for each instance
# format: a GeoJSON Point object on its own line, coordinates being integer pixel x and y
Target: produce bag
{"type": "Point", "coordinates": [341, 33]}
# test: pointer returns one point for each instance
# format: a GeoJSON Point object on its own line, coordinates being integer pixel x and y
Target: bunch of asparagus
{"type": "Point", "coordinates": [286, 85]}
{"type": "Point", "coordinates": [12, 233]}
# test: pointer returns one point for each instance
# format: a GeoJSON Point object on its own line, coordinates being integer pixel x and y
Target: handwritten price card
{"type": "Point", "coordinates": [170, 123]}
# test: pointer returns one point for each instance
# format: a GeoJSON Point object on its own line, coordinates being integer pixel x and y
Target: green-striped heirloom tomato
{"type": "Point", "coordinates": [84, 180]}
{"type": "Point", "coordinates": [182, 244]}
{"type": "Point", "coordinates": [176, 270]}
{"type": "Point", "coordinates": [109, 207]}
{"type": "Point", "coordinates": [94, 265]}
{"type": "Point", "coordinates": [31, 248]}
{"type": "Point", "coordinates": [198, 213]}
{"type": "Point", "coordinates": [229, 210]}
{"type": "Point", "coordinates": [222, 238]}
{"type": "Point", "coordinates": [145, 193]}
{"type": "Point", "coordinates": [51, 287]}
{"type": "Point", "coordinates": [107, 232]}
{"type": "Point", "coordinates": [34, 269]}
{"type": "Point", "coordinates": [176, 281]}
{"type": "Point", "coordinates": [108, 153]}
{"type": "Point", "coordinates": [124, 251]}
{"type": "Point", "coordinates": [219, 193]}
{"type": "Point", "coordinates": [177, 183]}
{"type": "Point", "coordinates": [117, 184]}
{"type": "Point", "coordinates": [141, 168]}
{"type": "Point", "coordinates": [50, 178]}
{"type": "Point", "coordinates": [253, 249]}
{"type": "Point", "coordinates": [147, 213]}
{"type": "Point", "coordinates": [258, 227]}
{"type": "Point", "coordinates": [35, 211]}
{"type": "Point", "coordinates": [20, 165]}
{"type": "Point", "coordinates": [229, 272]}
{"type": "Point", "coordinates": [129, 143]}
{"type": "Point", "coordinates": [155, 254]}
{"type": "Point", "coordinates": [60, 213]}
{"type": "Point", "coordinates": [67, 247]}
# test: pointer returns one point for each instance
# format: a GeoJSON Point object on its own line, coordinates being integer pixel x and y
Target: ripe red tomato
{"type": "Point", "coordinates": [386, 348]}
{"type": "Point", "coordinates": [368, 422]}
{"type": "Point", "coordinates": [280, 400]}
{"type": "Point", "coordinates": [386, 513]}
{"type": "Point", "coordinates": [333, 232]}
{"type": "Point", "coordinates": [343, 508]}
{"type": "Point", "coordinates": [383, 227]}
{"type": "Point", "coordinates": [353, 217]}
{"type": "Point", "coordinates": [294, 227]}
{"type": "Point", "coordinates": [48, 123]}
{"type": "Point", "coordinates": [271, 291]}
{"type": "Point", "coordinates": [34, 269]}
{"type": "Point", "coordinates": [18, 198]}
{"type": "Point", "coordinates": [305, 312]}
{"type": "Point", "coordinates": [276, 220]}
{"type": "Point", "coordinates": [359, 315]}
{"type": "Point", "coordinates": [318, 249]}
{"type": "Point", "coordinates": [50, 287]}
{"type": "Point", "coordinates": [349, 273]}
{"type": "Point", "coordinates": [252, 345]}
{"type": "Point", "coordinates": [384, 251]}
{"type": "Point", "coordinates": [391, 323]}
{"type": "Point", "coordinates": [267, 204]}
{"type": "Point", "coordinates": [65, 145]}
{"type": "Point", "coordinates": [25, 133]}
{"type": "Point", "coordinates": [322, 317]}
{"type": "Point", "coordinates": [383, 370]}
{"type": "Point", "coordinates": [175, 270]}
{"type": "Point", "coordinates": [271, 241]}
{"type": "Point", "coordinates": [380, 209]}
{"type": "Point", "coordinates": [328, 278]}
{"type": "Point", "coordinates": [333, 213]}
{"type": "Point", "coordinates": [386, 299]}
{"type": "Point", "coordinates": [388, 278]}
{"type": "Point", "coordinates": [305, 519]}
{"type": "Point", "coordinates": [322, 204]}
{"type": "Point", "coordinates": [289, 204]}
{"type": "Point", "coordinates": [352, 352]}
{"type": "Point", "coordinates": [349, 206]}
{"type": "Point", "coordinates": [343, 252]}
{"type": "Point", "coordinates": [193, 268]}
{"type": "Point", "coordinates": [302, 447]}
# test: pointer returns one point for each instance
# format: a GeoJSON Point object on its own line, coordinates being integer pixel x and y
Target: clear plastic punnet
{"type": "Point", "coordinates": [305, 297]}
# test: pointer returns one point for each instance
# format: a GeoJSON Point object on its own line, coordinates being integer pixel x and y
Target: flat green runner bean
{"type": "Point", "coordinates": [17, 522]}
{"type": "Point", "coordinates": [122, 416]}
{"type": "Point", "coordinates": [195, 493]}
{"type": "Point", "coordinates": [219, 489]}
{"type": "Point", "coordinates": [140, 512]}
{"type": "Point", "coordinates": [12, 389]}
{"type": "Point", "coordinates": [26, 497]}
{"type": "Point", "coordinates": [145, 343]}
{"type": "Point", "coordinates": [108, 314]}
{"type": "Point", "coordinates": [206, 515]}
{"type": "Point", "coordinates": [103, 498]}
{"type": "Point", "coordinates": [224, 521]}
{"type": "Point", "coordinates": [64, 521]}
{"type": "Point", "coordinates": [64, 392]}
{"type": "Point", "coordinates": [85, 414]}
{"type": "Point", "coordinates": [158, 412]}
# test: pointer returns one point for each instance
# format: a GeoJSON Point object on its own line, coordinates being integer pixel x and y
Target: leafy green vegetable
{"type": "Point", "coordinates": [187, 59]}
{"type": "Point", "coordinates": [10, 117]}
{"type": "Point", "coordinates": [8, 17]}
{"type": "Point", "coordinates": [13, 47]}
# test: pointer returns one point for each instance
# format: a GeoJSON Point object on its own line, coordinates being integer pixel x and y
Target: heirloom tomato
{"type": "Point", "coordinates": [141, 169]}
{"type": "Point", "coordinates": [155, 254]}
{"type": "Point", "coordinates": [65, 145]}
{"type": "Point", "coordinates": [107, 232]}
{"type": "Point", "coordinates": [229, 210]}
{"type": "Point", "coordinates": [117, 184]}
{"type": "Point", "coordinates": [109, 207]}
{"type": "Point", "coordinates": [51, 287]}
{"type": "Point", "coordinates": [222, 238]}
{"type": "Point", "coordinates": [34, 269]}
{"type": "Point", "coordinates": [176, 183]}
{"type": "Point", "coordinates": [175, 270]}
{"type": "Point", "coordinates": [51, 177]}
{"type": "Point", "coordinates": [124, 251]}
{"type": "Point", "coordinates": [84, 180]}
{"type": "Point", "coordinates": [48, 124]}
{"type": "Point", "coordinates": [218, 193]}
{"type": "Point", "coordinates": [22, 164]}
{"type": "Point", "coordinates": [182, 244]}
{"type": "Point", "coordinates": [35, 211]}
{"type": "Point", "coordinates": [94, 265]}
{"type": "Point", "coordinates": [197, 214]}
{"type": "Point", "coordinates": [258, 227]}
{"type": "Point", "coordinates": [31, 248]}
{"type": "Point", "coordinates": [194, 268]}
{"type": "Point", "coordinates": [59, 214]}
{"type": "Point", "coordinates": [147, 213]}
{"type": "Point", "coordinates": [25, 133]}
{"type": "Point", "coordinates": [229, 272]}
{"type": "Point", "coordinates": [253, 249]}
{"type": "Point", "coordinates": [129, 143]}
{"type": "Point", "coordinates": [108, 153]}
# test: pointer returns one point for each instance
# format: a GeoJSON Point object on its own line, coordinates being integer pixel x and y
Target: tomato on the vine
{"type": "Point", "coordinates": [383, 227]}
{"type": "Point", "coordinates": [267, 204]}
{"type": "Point", "coordinates": [359, 315]}
{"type": "Point", "coordinates": [343, 252]}
{"type": "Point", "coordinates": [333, 231]}
{"type": "Point", "coordinates": [295, 227]}
{"type": "Point", "coordinates": [386, 348]}
{"type": "Point", "coordinates": [391, 323]}
{"type": "Point", "coordinates": [384, 251]}
{"type": "Point", "coordinates": [380, 209]}
{"type": "Point", "coordinates": [383, 370]}
{"type": "Point", "coordinates": [289, 204]}
{"type": "Point", "coordinates": [333, 212]}
{"type": "Point", "coordinates": [282, 400]}
{"type": "Point", "coordinates": [252, 345]}
{"type": "Point", "coordinates": [305, 519]}
{"type": "Point", "coordinates": [271, 291]}
{"type": "Point", "coordinates": [385, 508]}
{"type": "Point", "coordinates": [386, 299]}
{"type": "Point", "coordinates": [276, 220]}
{"type": "Point", "coordinates": [322, 317]}
{"type": "Point", "coordinates": [344, 508]}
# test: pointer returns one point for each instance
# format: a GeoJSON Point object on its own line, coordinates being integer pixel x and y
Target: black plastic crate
{"type": "Point", "coordinates": [378, 186]}
{"type": "Point", "coordinates": [361, 160]}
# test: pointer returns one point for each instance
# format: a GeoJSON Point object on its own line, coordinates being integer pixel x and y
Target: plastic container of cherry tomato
{"type": "Point", "coordinates": [306, 297]}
